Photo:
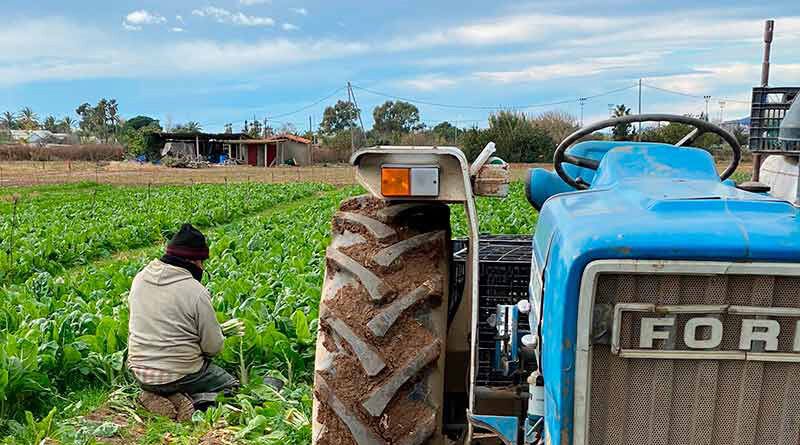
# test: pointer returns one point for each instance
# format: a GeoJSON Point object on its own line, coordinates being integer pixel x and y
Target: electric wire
{"type": "Point", "coordinates": [486, 107]}
{"type": "Point", "coordinates": [695, 96]}
{"type": "Point", "coordinates": [317, 102]}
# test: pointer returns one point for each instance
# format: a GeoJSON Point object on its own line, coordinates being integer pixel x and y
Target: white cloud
{"type": "Point", "coordinates": [179, 18]}
{"type": "Point", "coordinates": [708, 78]}
{"type": "Point", "coordinates": [233, 18]}
{"type": "Point", "coordinates": [55, 49]}
{"type": "Point", "coordinates": [289, 27]}
{"type": "Point", "coordinates": [504, 30]}
{"type": "Point", "coordinates": [144, 17]}
{"type": "Point", "coordinates": [301, 11]}
{"type": "Point", "coordinates": [430, 82]}
{"type": "Point", "coordinates": [177, 29]}
{"type": "Point", "coordinates": [579, 68]}
{"type": "Point", "coordinates": [128, 27]}
{"type": "Point", "coordinates": [254, 2]}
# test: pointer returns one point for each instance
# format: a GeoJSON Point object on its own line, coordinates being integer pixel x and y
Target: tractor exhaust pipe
{"type": "Point", "coordinates": [769, 27]}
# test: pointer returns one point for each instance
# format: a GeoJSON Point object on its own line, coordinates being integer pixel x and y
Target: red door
{"type": "Point", "coordinates": [252, 155]}
{"type": "Point", "coordinates": [271, 149]}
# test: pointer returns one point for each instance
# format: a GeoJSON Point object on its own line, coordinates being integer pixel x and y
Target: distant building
{"type": "Point", "coordinates": [43, 137]}
{"type": "Point", "coordinates": [211, 147]}
{"type": "Point", "coordinates": [272, 151]}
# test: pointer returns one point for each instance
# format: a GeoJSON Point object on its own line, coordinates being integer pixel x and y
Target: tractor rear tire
{"type": "Point", "coordinates": [379, 368]}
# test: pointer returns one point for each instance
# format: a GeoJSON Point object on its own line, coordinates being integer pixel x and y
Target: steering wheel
{"type": "Point", "coordinates": [700, 127]}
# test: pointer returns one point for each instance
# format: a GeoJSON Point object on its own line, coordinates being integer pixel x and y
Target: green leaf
{"type": "Point", "coordinates": [256, 425]}
{"type": "Point", "coordinates": [70, 355]}
{"type": "Point", "coordinates": [301, 328]}
{"type": "Point", "coordinates": [3, 383]}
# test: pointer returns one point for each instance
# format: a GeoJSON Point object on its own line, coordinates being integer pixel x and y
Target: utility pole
{"type": "Point", "coordinates": [351, 100]}
{"type": "Point", "coordinates": [309, 128]}
{"type": "Point", "coordinates": [721, 111]}
{"type": "Point", "coordinates": [639, 134]}
{"type": "Point", "coordinates": [582, 101]}
{"type": "Point", "coordinates": [707, 98]}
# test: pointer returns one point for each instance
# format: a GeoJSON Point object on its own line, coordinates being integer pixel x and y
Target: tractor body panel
{"type": "Point", "coordinates": [647, 202]}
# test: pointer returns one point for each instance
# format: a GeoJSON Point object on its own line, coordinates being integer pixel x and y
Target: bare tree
{"type": "Point", "coordinates": [557, 124]}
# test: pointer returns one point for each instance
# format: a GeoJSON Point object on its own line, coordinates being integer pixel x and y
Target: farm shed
{"type": "Point", "coordinates": [208, 146]}
{"type": "Point", "coordinates": [272, 151]}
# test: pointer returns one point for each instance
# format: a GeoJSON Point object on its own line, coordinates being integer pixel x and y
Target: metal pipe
{"type": "Point", "coordinates": [769, 27]}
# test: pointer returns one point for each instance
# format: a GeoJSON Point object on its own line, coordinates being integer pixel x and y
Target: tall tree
{"type": "Point", "coordinates": [396, 117]}
{"type": "Point", "coordinates": [8, 120]}
{"type": "Point", "coordinates": [101, 121]}
{"type": "Point", "coordinates": [445, 131]}
{"type": "Point", "coordinates": [341, 116]}
{"type": "Point", "coordinates": [50, 124]}
{"type": "Point", "coordinates": [139, 135]}
{"type": "Point", "coordinates": [66, 124]}
{"type": "Point", "coordinates": [622, 132]}
{"type": "Point", "coordinates": [28, 120]}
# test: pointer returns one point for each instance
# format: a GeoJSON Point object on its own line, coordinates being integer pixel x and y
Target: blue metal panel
{"type": "Point", "coordinates": [506, 427]}
{"type": "Point", "coordinates": [648, 201]}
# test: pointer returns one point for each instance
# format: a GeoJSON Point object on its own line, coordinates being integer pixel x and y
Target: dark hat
{"type": "Point", "coordinates": [188, 243]}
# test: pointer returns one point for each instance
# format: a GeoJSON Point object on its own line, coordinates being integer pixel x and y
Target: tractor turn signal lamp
{"type": "Point", "coordinates": [406, 180]}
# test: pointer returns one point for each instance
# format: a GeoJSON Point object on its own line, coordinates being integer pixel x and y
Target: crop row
{"type": "Point", "coordinates": [266, 270]}
{"type": "Point", "coordinates": [56, 330]}
{"type": "Point", "coordinates": [60, 230]}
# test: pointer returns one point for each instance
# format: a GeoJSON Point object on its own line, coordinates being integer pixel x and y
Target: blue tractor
{"type": "Point", "coordinates": [660, 302]}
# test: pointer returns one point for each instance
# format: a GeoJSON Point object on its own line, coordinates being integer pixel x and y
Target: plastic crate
{"type": "Point", "coordinates": [768, 107]}
{"type": "Point", "coordinates": [503, 275]}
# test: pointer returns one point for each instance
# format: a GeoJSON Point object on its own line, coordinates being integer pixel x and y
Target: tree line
{"type": "Point", "coordinates": [519, 137]}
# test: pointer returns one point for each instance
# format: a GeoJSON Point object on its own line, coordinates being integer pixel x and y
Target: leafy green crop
{"type": "Point", "coordinates": [60, 230]}
{"type": "Point", "coordinates": [63, 330]}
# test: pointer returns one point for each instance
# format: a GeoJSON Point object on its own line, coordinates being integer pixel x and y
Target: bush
{"type": "Point", "coordinates": [517, 137]}
{"type": "Point", "coordinates": [88, 152]}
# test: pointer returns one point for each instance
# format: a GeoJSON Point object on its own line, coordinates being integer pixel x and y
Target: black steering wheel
{"type": "Point", "coordinates": [700, 127]}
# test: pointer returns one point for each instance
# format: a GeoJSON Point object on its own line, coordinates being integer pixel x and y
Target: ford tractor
{"type": "Point", "coordinates": [656, 303]}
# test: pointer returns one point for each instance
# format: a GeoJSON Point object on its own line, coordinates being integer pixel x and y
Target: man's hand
{"type": "Point", "coordinates": [233, 328]}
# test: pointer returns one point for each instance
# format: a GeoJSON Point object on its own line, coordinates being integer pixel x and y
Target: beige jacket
{"type": "Point", "coordinates": [173, 326]}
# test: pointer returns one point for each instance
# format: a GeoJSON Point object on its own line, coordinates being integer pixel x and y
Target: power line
{"type": "Point", "coordinates": [486, 107]}
{"type": "Point", "coordinates": [694, 96]}
{"type": "Point", "coordinates": [317, 102]}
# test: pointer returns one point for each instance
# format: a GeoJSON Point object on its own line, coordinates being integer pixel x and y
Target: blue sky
{"type": "Point", "coordinates": [219, 61]}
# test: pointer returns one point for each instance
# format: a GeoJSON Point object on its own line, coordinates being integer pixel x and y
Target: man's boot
{"type": "Point", "coordinates": [157, 404]}
{"type": "Point", "coordinates": [184, 407]}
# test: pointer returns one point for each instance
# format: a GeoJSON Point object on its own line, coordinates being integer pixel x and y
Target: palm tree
{"type": "Point", "coordinates": [193, 127]}
{"type": "Point", "coordinates": [66, 125]}
{"type": "Point", "coordinates": [189, 127]}
{"type": "Point", "coordinates": [50, 124]}
{"type": "Point", "coordinates": [8, 120]}
{"type": "Point", "coordinates": [28, 119]}
{"type": "Point", "coordinates": [622, 132]}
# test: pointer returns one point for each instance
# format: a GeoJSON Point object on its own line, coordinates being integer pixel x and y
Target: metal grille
{"type": "Point", "coordinates": [657, 401]}
{"type": "Point", "coordinates": [504, 272]}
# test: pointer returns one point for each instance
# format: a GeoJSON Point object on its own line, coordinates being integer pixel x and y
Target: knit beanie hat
{"type": "Point", "coordinates": [188, 243]}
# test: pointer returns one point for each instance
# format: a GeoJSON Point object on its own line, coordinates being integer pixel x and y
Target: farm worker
{"type": "Point", "coordinates": [173, 331]}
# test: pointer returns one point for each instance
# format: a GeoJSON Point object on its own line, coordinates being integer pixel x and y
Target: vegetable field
{"type": "Point", "coordinates": [67, 258]}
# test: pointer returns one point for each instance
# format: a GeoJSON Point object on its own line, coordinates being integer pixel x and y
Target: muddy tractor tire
{"type": "Point", "coordinates": [379, 370]}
